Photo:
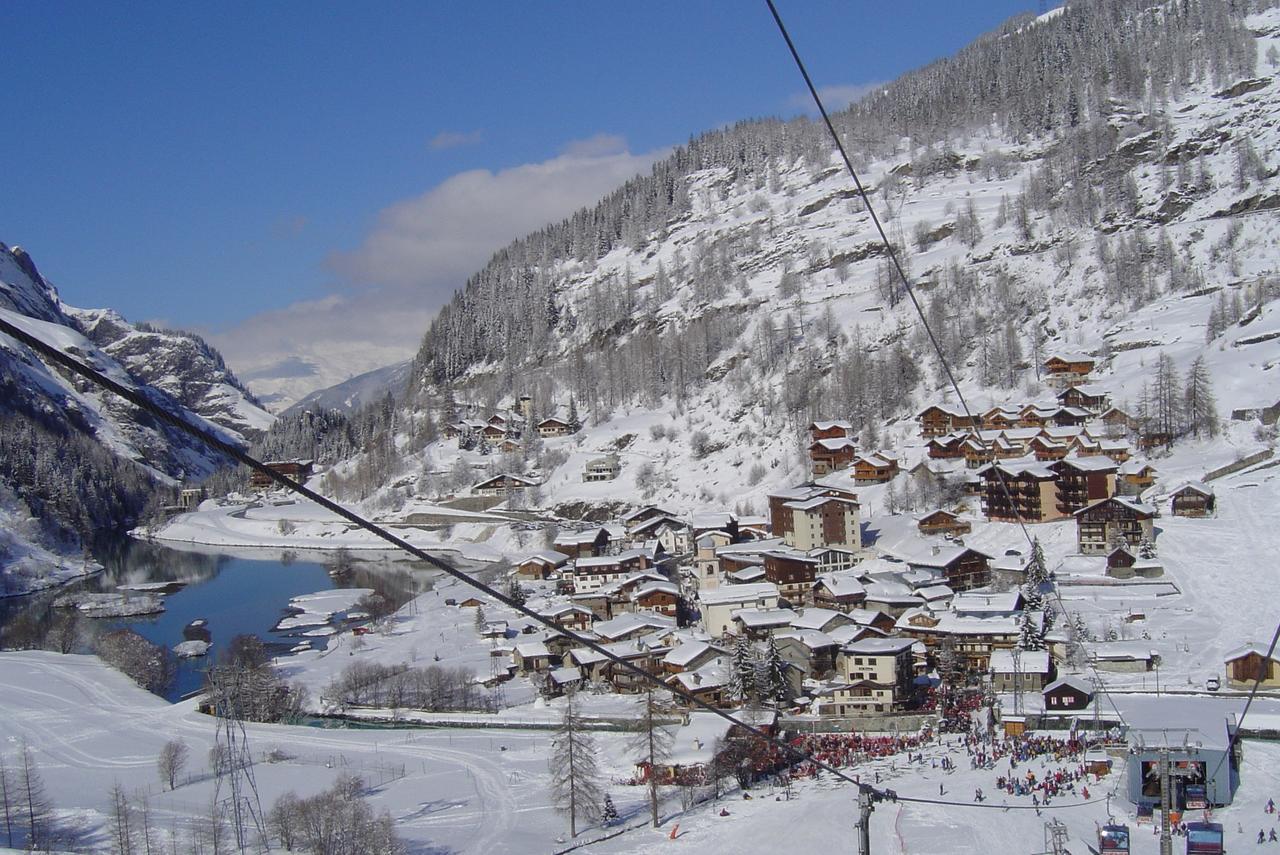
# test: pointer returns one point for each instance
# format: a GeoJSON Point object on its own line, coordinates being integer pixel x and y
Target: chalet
{"type": "Point", "coordinates": [718, 605]}
{"type": "Point", "coordinates": [656, 597]}
{"type": "Point", "coordinates": [295, 470]}
{"type": "Point", "coordinates": [831, 455]}
{"type": "Point", "coordinates": [1116, 422]}
{"type": "Point", "coordinates": [500, 485]}
{"type": "Point", "coordinates": [830, 430]}
{"type": "Point", "coordinates": [602, 469]}
{"type": "Point", "coordinates": [689, 656]}
{"type": "Point", "coordinates": [874, 469]}
{"type": "Point", "coordinates": [560, 681]}
{"type": "Point", "coordinates": [1027, 492]}
{"type": "Point", "coordinates": [891, 597]}
{"type": "Point", "coordinates": [1125, 656]}
{"type": "Point", "coordinates": [1000, 418]}
{"type": "Point", "coordinates": [947, 447]}
{"type": "Point", "coordinates": [552, 426]}
{"type": "Point", "coordinates": [1065, 370]}
{"type": "Point", "coordinates": [644, 514]}
{"type": "Point", "coordinates": [821, 619]}
{"type": "Point", "coordinates": [1118, 450]}
{"type": "Point", "coordinates": [960, 567]}
{"type": "Point", "coordinates": [1113, 521]}
{"type": "Point", "coordinates": [509, 445]}
{"type": "Point", "coordinates": [832, 559]}
{"type": "Point", "coordinates": [1192, 500]}
{"type": "Point", "coordinates": [1034, 416]}
{"type": "Point", "coordinates": [1020, 670]}
{"type": "Point", "coordinates": [841, 591]}
{"type": "Point", "coordinates": [937, 420]}
{"type": "Point", "coordinates": [583, 544]}
{"type": "Point", "coordinates": [973, 639]}
{"type": "Point", "coordinates": [1135, 477]}
{"type": "Point", "coordinates": [672, 533]}
{"type": "Point", "coordinates": [592, 573]}
{"type": "Point", "coordinates": [1122, 563]}
{"type": "Point", "coordinates": [492, 433]}
{"type": "Point", "coordinates": [1047, 450]}
{"type": "Point", "coordinates": [598, 668]}
{"type": "Point", "coordinates": [812, 517]}
{"type": "Point", "coordinates": [1067, 693]}
{"type": "Point", "coordinates": [794, 574]}
{"type": "Point", "coordinates": [541, 565]}
{"type": "Point", "coordinates": [1085, 397]}
{"type": "Point", "coordinates": [1248, 664]}
{"type": "Point", "coordinates": [708, 683]}
{"type": "Point", "coordinates": [1006, 605]}
{"type": "Point", "coordinates": [531, 656]}
{"type": "Point", "coordinates": [722, 521]}
{"type": "Point", "coordinates": [471, 603]}
{"type": "Point", "coordinates": [943, 522]}
{"type": "Point", "coordinates": [1082, 481]}
{"type": "Point", "coordinates": [1149, 439]}
{"type": "Point", "coordinates": [1071, 417]}
{"type": "Point", "coordinates": [575, 617]}
{"type": "Point", "coordinates": [761, 623]}
{"type": "Point", "coordinates": [809, 651]}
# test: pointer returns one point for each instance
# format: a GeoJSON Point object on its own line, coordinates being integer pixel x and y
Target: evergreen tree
{"type": "Point", "coordinates": [609, 814]}
{"type": "Point", "coordinates": [651, 745]}
{"type": "Point", "coordinates": [742, 673]}
{"type": "Point", "coordinates": [1199, 403]}
{"type": "Point", "coordinates": [575, 423]}
{"type": "Point", "coordinates": [516, 591]}
{"type": "Point", "coordinates": [1147, 549]}
{"type": "Point", "coordinates": [480, 619]}
{"type": "Point", "coordinates": [575, 778]}
{"type": "Point", "coordinates": [772, 678]}
{"type": "Point", "coordinates": [1030, 634]}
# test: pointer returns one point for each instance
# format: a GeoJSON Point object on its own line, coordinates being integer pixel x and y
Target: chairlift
{"type": "Point", "coordinates": [1195, 797]}
{"type": "Point", "coordinates": [1204, 838]}
{"type": "Point", "coordinates": [1113, 840]}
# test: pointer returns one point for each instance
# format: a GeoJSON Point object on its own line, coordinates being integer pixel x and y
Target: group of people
{"type": "Point", "coordinates": [850, 749]}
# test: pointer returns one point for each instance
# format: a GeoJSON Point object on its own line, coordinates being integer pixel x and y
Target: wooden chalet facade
{"type": "Point", "coordinates": [1245, 665]}
{"type": "Point", "coordinates": [943, 522]}
{"type": "Point", "coordinates": [1086, 397]}
{"type": "Point", "coordinates": [938, 420]}
{"type": "Point", "coordinates": [794, 573]}
{"type": "Point", "coordinates": [500, 485]}
{"type": "Point", "coordinates": [1116, 422]}
{"type": "Point", "coordinates": [831, 455]}
{"type": "Point", "coordinates": [830, 430]}
{"type": "Point", "coordinates": [1113, 521]}
{"type": "Point", "coordinates": [296, 470]}
{"type": "Point", "coordinates": [550, 427]}
{"type": "Point", "coordinates": [1083, 481]}
{"type": "Point", "coordinates": [874, 469]}
{"type": "Point", "coordinates": [947, 447]}
{"type": "Point", "coordinates": [1134, 478]}
{"type": "Point", "coordinates": [1063, 371]}
{"type": "Point", "coordinates": [841, 592]}
{"type": "Point", "coordinates": [1192, 500]}
{"type": "Point", "coordinates": [583, 544]}
{"type": "Point", "coordinates": [541, 565]}
{"type": "Point", "coordinates": [962, 568]}
{"type": "Point", "coordinates": [1067, 694]}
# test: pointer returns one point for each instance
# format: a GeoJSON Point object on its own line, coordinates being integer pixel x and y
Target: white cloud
{"type": "Point", "coordinates": [833, 97]}
{"type": "Point", "coordinates": [432, 242]}
{"type": "Point", "coordinates": [421, 250]}
{"type": "Point", "coordinates": [454, 139]}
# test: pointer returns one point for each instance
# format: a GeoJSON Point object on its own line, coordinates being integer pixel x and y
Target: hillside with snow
{"type": "Point", "coordinates": [83, 461]}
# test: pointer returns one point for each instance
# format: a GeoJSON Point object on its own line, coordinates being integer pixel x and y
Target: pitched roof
{"type": "Point", "coordinates": [1247, 649]}
{"type": "Point", "coordinates": [1070, 681]}
{"type": "Point", "coordinates": [729, 594]}
{"type": "Point", "coordinates": [1126, 501]}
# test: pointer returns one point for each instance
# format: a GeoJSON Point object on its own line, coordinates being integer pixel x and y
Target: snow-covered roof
{"type": "Point", "coordinates": [1029, 662]}
{"type": "Point", "coordinates": [627, 623]}
{"type": "Point", "coordinates": [811, 638]}
{"type": "Point", "coordinates": [530, 649]}
{"type": "Point", "coordinates": [687, 651]}
{"type": "Point", "coordinates": [1071, 681]}
{"type": "Point", "coordinates": [728, 594]}
{"type": "Point", "coordinates": [986, 604]}
{"type": "Point", "coordinates": [695, 743]}
{"type": "Point", "coordinates": [638, 512]}
{"type": "Point", "coordinates": [754, 618]}
{"type": "Point", "coordinates": [838, 444]}
{"type": "Point", "coordinates": [1121, 651]}
{"type": "Point", "coordinates": [1126, 501]}
{"type": "Point", "coordinates": [935, 592]}
{"type": "Point", "coordinates": [1251, 647]}
{"type": "Point", "coordinates": [748, 574]}
{"type": "Point", "coordinates": [817, 502]}
{"type": "Point", "coordinates": [831, 425]}
{"type": "Point", "coordinates": [547, 556]}
{"type": "Point", "coordinates": [656, 587]}
{"type": "Point", "coordinates": [1194, 487]}
{"type": "Point", "coordinates": [818, 618]}
{"type": "Point", "coordinates": [1095, 463]}
{"type": "Point", "coordinates": [879, 646]}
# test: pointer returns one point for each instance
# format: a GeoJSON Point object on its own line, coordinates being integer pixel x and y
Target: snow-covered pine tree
{"type": "Point", "coordinates": [772, 679]}
{"type": "Point", "coordinates": [742, 672]}
{"type": "Point", "coordinates": [1199, 405]}
{"type": "Point", "coordinates": [1029, 632]}
{"type": "Point", "coordinates": [609, 814]}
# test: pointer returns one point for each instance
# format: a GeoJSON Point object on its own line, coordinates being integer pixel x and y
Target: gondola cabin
{"type": "Point", "coordinates": [1204, 838]}
{"type": "Point", "coordinates": [1113, 840]}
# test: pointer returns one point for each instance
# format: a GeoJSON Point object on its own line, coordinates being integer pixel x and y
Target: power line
{"type": "Point", "coordinates": [892, 252]}
{"type": "Point", "coordinates": [142, 401]}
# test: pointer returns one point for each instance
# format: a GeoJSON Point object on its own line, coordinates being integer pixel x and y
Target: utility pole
{"type": "Point", "coordinates": [865, 807]}
{"type": "Point", "coordinates": [1166, 804]}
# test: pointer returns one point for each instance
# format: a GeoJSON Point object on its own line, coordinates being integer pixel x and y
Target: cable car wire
{"type": "Point", "coordinates": [136, 397]}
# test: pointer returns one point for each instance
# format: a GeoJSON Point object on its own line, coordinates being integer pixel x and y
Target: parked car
{"type": "Point", "coordinates": [1213, 684]}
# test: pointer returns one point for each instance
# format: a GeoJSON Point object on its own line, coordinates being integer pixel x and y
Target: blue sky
{"type": "Point", "coordinates": [236, 167]}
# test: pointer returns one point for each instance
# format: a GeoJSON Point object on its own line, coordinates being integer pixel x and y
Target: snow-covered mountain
{"type": "Point", "coordinates": [357, 392]}
{"type": "Point", "coordinates": [1057, 183]}
{"type": "Point", "coordinates": [84, 461]}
